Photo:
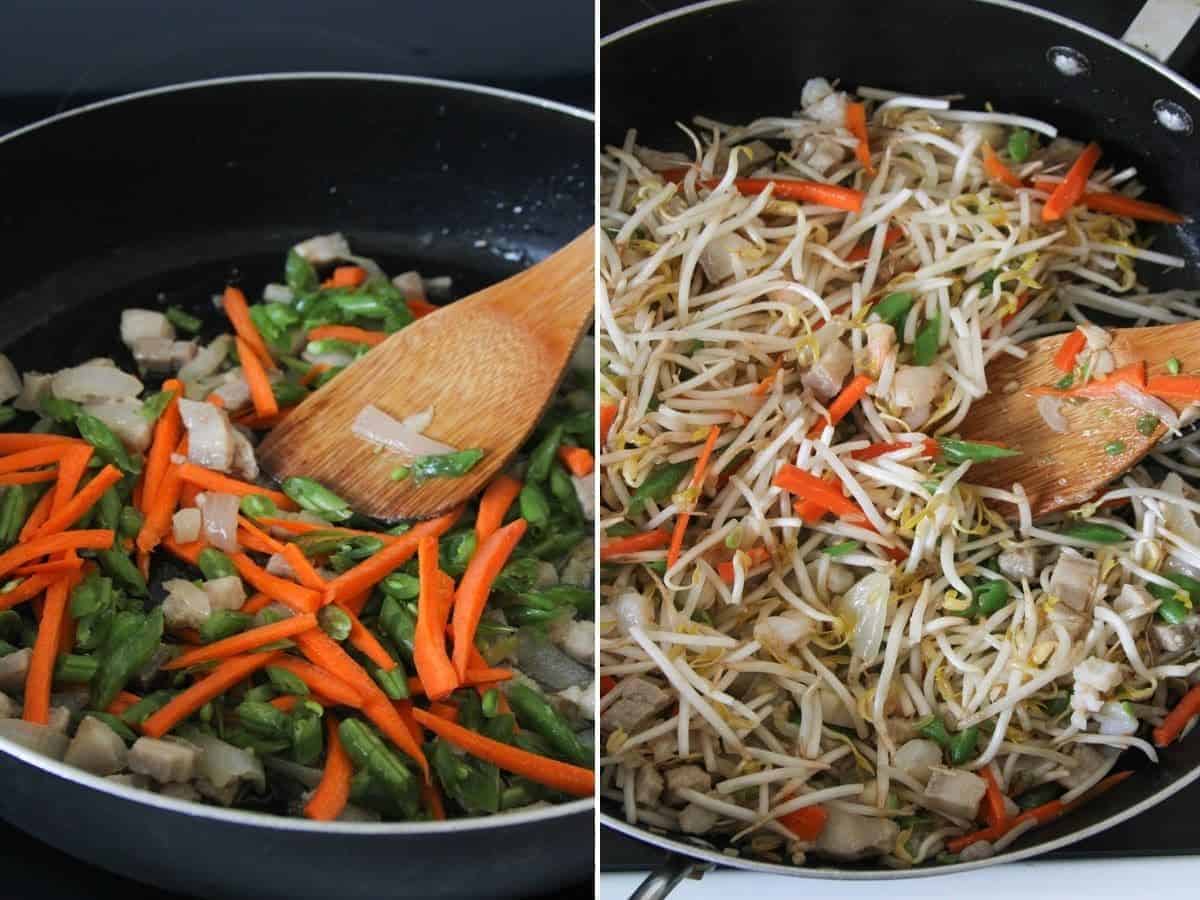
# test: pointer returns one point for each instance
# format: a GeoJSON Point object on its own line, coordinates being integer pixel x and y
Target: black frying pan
{"type": "Point", "coordinates": [164, 197]}
{"type": "Point", "coordinates": [737, 61]}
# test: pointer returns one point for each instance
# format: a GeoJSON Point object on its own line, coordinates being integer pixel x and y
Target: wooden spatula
{"type": "Point", "coordinates": [486, 365]}
{"type": "Point", "coordinates": [1059, 471]}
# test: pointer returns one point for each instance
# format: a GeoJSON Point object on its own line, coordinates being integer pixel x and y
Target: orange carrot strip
{"type": "Point", "coordinates": [161, 508]}
{"type": "Point", "coordinates": [75, 508]}
{"type": "Point", "coordinates": [333, 790]}
{"type": "Point", "coordinates": [997, 170]}
{"type": "Point", "coordinates": [856, 124]}
{"type": "Point", "coordinates": [1134, 374]}
{"type": "Point", "coordinates": [230, 672]}
{"type": "Point", "coordinates": [167, 432]}
{"type": "Point", "coordinates": [187, 552]}
{"type": "Point", "coordinates": [758, 556]}
{"type": "Point", "coordinates": [608, 415]}
{"type": "Point", "coordinates": [476, 584]}
{"type": "Point", "coordinates": [16, 442]}
{"type": "Point", "coordinates": [94, 539]}
{"type": "Point", "coordinates": [432, 662]}
{"type": "Point", "coordinates": [697, 481]}
{"type": "Point", "coordinates": [320, 681]}
{"type": "Point", "coordinates": [804, 484]}
{"type": "Point", "coordinates": [843, 403]}
{"type": "Point", "coordinates": [447, 711]}
{"type": "Point", "coordinates": [36, 456]}
{"type": "Point", "coordinates": [569, 779]}
{"type": "Point", "coordinates": [256, 539]}
{"type": "Point", "coordinates": [70, 472]}
{"type": "Point", "coordinates": [578, 459]}
{"type": "Point", "coordinates": [35, 477]}
{"type": "Point", "coordinates": [431, 798]}
{"type": "Point", "coordinates": [607, 683]}
{"type": "Point", "coordinates": [54, 567]}
{"type": "Point", "coordinates": [26, 590]}
{"type": "Point", "coordinates": [364, 641]}
{"type": "Point", "coordinates": [245, 642]}
{"type": "Point", "coordinates": [375, 568]}
{"type": "Point", "coordinates": [45, 654]}
{"type": "Point", "coordinates": [37, 517]}
{"type": "Point", "coordinates": [497, 497]}
{"type": "Point", "coordinates": [296, 526]}
{"type": "Point", "coordinates": [994, 812]}
{"type": "Point", "coordinates": [348, 333]}
{"type": "Point", "coordinates": [290, 594]}
{"type": "Point", "coordinates": [1183, 712]}
{"type": "Point", "coordinates": [635, 543]}
{"type": "Point", "coordinates": [860, 251]}
{"type": "Point", "coordinates": [1072, 187]}
{"type": "Point", "coordinates": [474, 677]}
{"type": "Point", "coordinates": [817, 192]}
{"type": "Point", "coordinates": [1182, 387]}
{"type": "Point", "coordinates": [255, 374]}
{"type": "Point", "coordinates": [223, 484]}
{"type": "Point", "coordinates": [420, 307]}
{"type": "Point", "coordinates": [286, 703]}
{"type": "Point", "coordinates": [347, 276]}
{"type": "Point", "coordinates": [238, 311]}
{"type": "Point", "coordinates": [257, 603]}
{"type": "Point", "coordinates": [1120, 205]}
{"type": "Point", "coordinates": [806, 823]}
{"type": "Point", "coordinates": [305, 572]}
{"type": "Point", "coordinates": [122, 702]}
{"type": "Point", "coordinates": [1068, 351]}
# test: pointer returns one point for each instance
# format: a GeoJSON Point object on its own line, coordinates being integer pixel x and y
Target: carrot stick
{"type": "Point", "coordinates": [856, 124]}
{"type": "Point", "coordinates": [475, 677]}
{"type": "Point", "coordinates": [362, 640]}
{"type": "Point", "coordinates": [95, 539]}
{"type": "Point", "coordinates": [35, 477]}
{"type": "Point", "coordinates": [122, 702]}
{"type": "Point", "coordinates": [860, 251]}
{"type": "Point", "coordinates": [1068, 351]}
{"type": "Point", "coordinates": [298, 526]}
{"type": "Point", "coordinates": [431, 798]}
{"type": "Point", "coordinates": [55, 567]}
{"type": "Point", "coordinates": [1120, 205]}
{"type": "Point", "coordinates": [816, 192]}
{"type": "Point", "coordinates": [244, 642]}
{"type": "Point", "coordinates": [497, 497]}
{"type": "Point", "coordinates": [290, 594]}
{"type": "Point", "coordinates": [187, 552]}
{"type": "Point", "coordinates": [608, 415]}
{"type": "Point", "coordinates": [476, 584]}
{"type": "Point", "coordinates": [578, 459]}
{"type": "Point", "coordinates": [223, 484]}
{"type": "Point", "coordinates": [161, 508]}
{"type": "Point", "coordinates": [37, 456]}
{"type": "Point", "coordinates": [1184, 711]}
{"type": "Point", "coordinates": [37, 517]}
{"type": "Point", "coordinates": [305, 573]}
{"type": "Point", "coordinates": [1134, 374]}
{"type": "Point", "coordinates": [347, 276]}
{"type": "Point", "coordinates": [286, 703]}
{"type": "Point", "coordinates": [681, 521]}
{"type": "Point", "coordinates": [447, 711]}
{"type": "Point", "coordinates": [230, 672]}
{"type": "Point", "coordinates": [843, 403]}
{"type": "Point", "coordinates": [70, 472]}
{"type": "Point", "coordinates": [314, 373]}
{"type": "Point", "coordinates": [347, 333]}
{"type": "Point", "coordinates": [994, 811]}
{"type": "Point", "coordinates": [26, 590]}
{"type": "Point", "coordinates": [45, 654]}
{"type": "Point", "coordinates": [997, 170]}
{"type": "Point", "coordinates": [238, 311]}
{"type": "Point", "coordinates": [333, 791]}
{"type": "Point", "coordinates": [74, 509]}
{"type": "Point", "coordinates": [434, 668]}
{"type": "Point", "coordinates": [420, 307]}
{"type": "Point", "coordinates": [1072, 187]}
{"type": "Point", "coordinates": [806, 823]}
{"type": "Point", "coordinates": [167, 432]}
{"type": "Point", "coordinates": [569, 779]}
{"type": "Point", "coordinates": [635, 543]}
{"type": "Point", "coordinates": [320, 681]}
{"type": "Point", "coordinates": [16, 442]}
{"type": "Point", "coordinates": [758, 556]}
{"type": "Point", "coordinates": [375, 568]}
{"type": "Point", "coordinates": [261, 393]}
{"type": "Point", "coordinates": [256, 603]}
{"type": "Point", "coordinates": [1182, 387]}
{"type": "Point", "coordinates": [256, 539]}
{"type": "Point", "coordinates": [808, 486]}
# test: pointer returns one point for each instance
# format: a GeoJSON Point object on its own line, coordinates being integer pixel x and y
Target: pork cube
{"type": "Point", "coordinates": [695, 819]}
{"type": "Point", "coordinates": [1073, 580]}
{"type": "Point", "coordinates": [185, 525]}
{"type": "Point", "coordinates": [825, 377]}
{"type": "Point", "coordinates": [96, 748]}
{"type": "Point", "coordinates": [848, 836]}
{"type": "Point", "coordinates": [955, 792]}
{"type": "Point", "coordinates": [1018, 563]}
{"type": "Point", "coordinates": [640, 699]}
{"type": "Point", "coordinates": [185, 606]}
{"type": "Point", "coordinates": [689, 776]}
{"type": "Point", "coordinates": [140, 324]}
{"type": "Point", "coordinates": [13, 669]}
{"type": "Point", "coordinates": [648, 786]}
{"type": "Point", "coordinates": [225, 593]}
{"type": "Point", "coordinates": [164, 761]}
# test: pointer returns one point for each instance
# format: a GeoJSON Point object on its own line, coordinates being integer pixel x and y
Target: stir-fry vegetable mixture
{"type": "Point", "coordinates": [171, 622]}
{"type": "Point", "coordinates": [816, 634]}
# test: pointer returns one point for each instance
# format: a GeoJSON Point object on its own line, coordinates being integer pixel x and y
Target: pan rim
{"type": "Point", "coordinates": [316, 75]}
{"type": "Point", "coordinates": [716, 857]}
{"type": "Point", "coordinates": [246, 818]}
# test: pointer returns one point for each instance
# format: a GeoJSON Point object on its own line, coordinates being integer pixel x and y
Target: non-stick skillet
{"type": "Point", "coordinates": [736, 61]}
{"type": "Point", "coordinates": [164, 197]}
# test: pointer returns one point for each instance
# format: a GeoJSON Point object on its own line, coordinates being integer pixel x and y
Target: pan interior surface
{"type": "Point", "coordinates": [738, 61]}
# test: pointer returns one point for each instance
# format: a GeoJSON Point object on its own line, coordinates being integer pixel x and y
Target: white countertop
{"type": "Point", "coordinates": [1155, 878]}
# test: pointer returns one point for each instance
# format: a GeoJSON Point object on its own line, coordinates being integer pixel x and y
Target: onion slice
{"type": "Point", "coordinates": [1049, 408]}
{"type": "Point", "coordinates": [1147, 404]}
{"type": "Point", "coordinates": [376, 426]}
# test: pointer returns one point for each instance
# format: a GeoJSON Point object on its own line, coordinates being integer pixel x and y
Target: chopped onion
{"type": "Point", "coordinates": [219, 513]}
{"type": "Point", "coordinates": [418, 421]}
{"type": "Point", "coordinates": [92, 382]}
{"type": "Point", "coordinates": [10, 381]}
{"type": "Point", "coordinates": [1147, 404]}
{"type": "Point", "coordinates": [864, 610]}
{"type": "Point", "coordinates": [1049, 409]}
{"type": "Point", "coordinates": [376, 426]}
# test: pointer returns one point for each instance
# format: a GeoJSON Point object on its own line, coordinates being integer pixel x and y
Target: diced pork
{"type": "Point", "coordinates": [185, 525]}
{"type": "Point", "coordinates": [164, 761]}
{"type": "Point", "coordinates": [1018, 563]}
{"type": "Point", "coordinates": [186, 606]}
{"type": "Point", "coordinates": [13, 669]}
{"type": "Point", "coordinates": [848, 836]}
{"type": "Point", "coordinates": [640, 699]}
{"type": "Point", "coordinates": [96, 748]}
{"type": "Point", "coordinates": [695, 819]}
{"type": "Point", "coordinates": [225, 593]}
{"type": "Point", "coordinates": [93, 383]}
{"type": "Point", "coordinates": [160, 354]}
{"type": "Point", "coordinates": [210, 437]}
{"type": "Point", "coordinates": [324, 248]}
{"type": "Point", "coordinates": [1168, 638]}
{"type": "Point", "coordinates": [124, 417]}
{"type": "Point", "coordinates": [1094, 677]}
{"type": "Point", "coordinates": [9, 708]}
{"type": "Point", "coordinates": [1134, 604]}
{"type": "Point", "coordinates": [648, 786]}
{"type": "Point", "coordinates": [34, 386]}
{"type": "Point", "coordinates": [915, 389]}
{"type": "Point", "coordinates": [779, 633]}
{"type": "Point", "coordinates": [825, 377]}
{"type": "Point", "coordinates": [10, 381]}
{"type": "Point", "coordinates": [917, 758]}
{"type": "Point", "coordinates": [245, 462]}
{"type": "Point", "coordinates": [955, 792]}
{"type": "Point", "coordinates": [717, 258]}
{"type": "Point", "coordinates": [141, 324]}
{"type": "Point", "coordinates": [1073, 580]}
{"type": "Point", "coordinates": [689, 776]}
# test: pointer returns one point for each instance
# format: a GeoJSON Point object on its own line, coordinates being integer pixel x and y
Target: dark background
{"type": "Point", "coordinates": [1169, 828]}
{"type": "Point", "coordinates": [60, 54]}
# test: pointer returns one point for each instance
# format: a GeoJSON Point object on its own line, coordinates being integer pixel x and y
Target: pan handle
{"type": "Point", "coordinates": [1161, 25]}
{"type": "Point", "coordinates": [663, 880]}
